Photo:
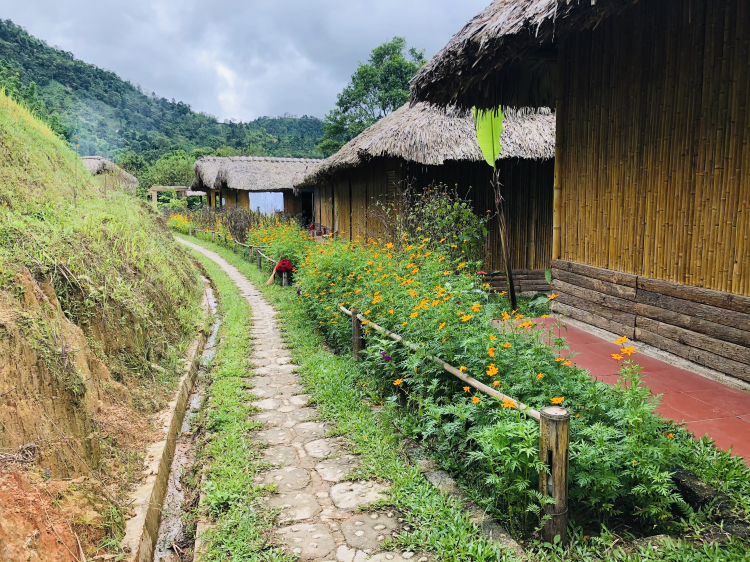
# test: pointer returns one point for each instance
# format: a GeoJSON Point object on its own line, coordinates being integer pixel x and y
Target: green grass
{"type": "Point", "coordinates": [336, 383]}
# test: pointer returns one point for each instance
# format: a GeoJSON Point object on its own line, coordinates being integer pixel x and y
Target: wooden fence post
{"type": "Point", "coordinates": [357, 344]}
{"type": "Point", "coordinates": [212, 235]}
{"type": "Point", "coordinates": [250, 253]}
{"type": "Point", "coordinates": [259, 267]}
{"type": "Point", "coordinates": [554, 437]}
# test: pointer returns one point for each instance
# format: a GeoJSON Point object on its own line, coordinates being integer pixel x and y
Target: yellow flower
{"type": "Point", "coordinates": [446, 272]}
{"type": "Point", "coordinates": [622, 340]}
{"type": "Point", "coordinates": [476, 307]}
{"type": "Point", "coordinates": [442, 325]}
{"type": "Point", "coordinates": [368, 311]}
{"type": "Point", "coordinates": [617, 357]}
{"type": "Point", "coordinates": [364, 322]}
{"type": "Point", "coordinates": [389, 245]}
{"type": "Point", "coordinates": [540, 376]}
{"type": "Point", "coordinates": [441, 259]}
{"type": "Point", "coordinates": [553, 296]}
{"type": "Point", "coordinates": [466, 318]}
{"type": "Point", "coordinates": [567, 363]}
{"type": "Point", "coordinates": [476, 400]}
{"type": "Point", "coordinates": [491, 352]}
{"type": "Point", "coordinates": [414, 315]}
{"type": "Point", "coordinates": [491, 370]}
{"type": "Point", "coordinates": [404, 323]}
{"type": "Point", "coordinates": [398, 381]}
{"type": "Point", "coordinates": [390, 311]}
{"type": "Point", "coordinates": [496, 383]}
{"type": "Point", "coordinates": [559, 359]}
{"type": "Point", "coordinates": [460, 265]}
{"type": "Point", "coordinates": [493, 338]}
{"type": "Point", "coordinates": [507, 345]}
{"type": "Point", "coordinates": [413, 293]}
{"type": "Point", "coordinates": [544, 316]}
{"type": "Point", "coordinates": [628, 350]}
{"type": "Point", "coordinates": [509, 403]}
{"type": "Point", "coordinates": [557, 399]}
{"type": "Point", "coordinates": [454, 246]}
{"type": "Point", "coordinates": [506, 316]}
{"type": "Point", "coordinates": [462, 368]}
{"type": "Point", "coordinates": [669, 435]}
{"type": "Point", "coordinates": [467, 389]}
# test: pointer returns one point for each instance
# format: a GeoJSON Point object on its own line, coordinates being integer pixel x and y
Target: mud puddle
{"type": "Point", "coordinates": [173, 544]}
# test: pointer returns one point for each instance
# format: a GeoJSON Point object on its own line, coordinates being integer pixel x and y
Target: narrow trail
{"type": "Point", "coordinates": [318, 517]}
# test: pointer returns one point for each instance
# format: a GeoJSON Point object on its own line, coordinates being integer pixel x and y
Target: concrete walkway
{"type": "Point", "coordinates": [318, 518]}
{"type": "Point", "coordinates": [706, 406]}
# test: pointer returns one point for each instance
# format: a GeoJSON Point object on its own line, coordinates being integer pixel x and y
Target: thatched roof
{"type": "Point", "coordinates": [431, 136]}
{"type": "Point", "coordinates": [99, 165]}
{"type": "Point", "coordinates": [507, 33]}
{"type": "Point", "coordinates": [250, 173]}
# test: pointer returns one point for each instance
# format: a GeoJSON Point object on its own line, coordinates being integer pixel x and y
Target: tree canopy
{"type": "Point", "coordinates": [377, 88]}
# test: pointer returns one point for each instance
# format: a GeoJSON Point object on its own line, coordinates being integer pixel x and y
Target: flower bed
{"type": "Point", "coordinates": [621, 452]}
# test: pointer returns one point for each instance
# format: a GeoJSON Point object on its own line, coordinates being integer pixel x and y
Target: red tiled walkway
{"type": "Point", "coordinates": [706, 406]}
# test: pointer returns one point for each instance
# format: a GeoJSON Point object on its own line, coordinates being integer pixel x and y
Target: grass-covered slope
{"type": "Point", "coordinates": [96, 302]}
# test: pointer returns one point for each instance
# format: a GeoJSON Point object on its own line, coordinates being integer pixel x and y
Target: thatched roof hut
{"type": "Point", "coordinates": [206, 169]}
{"type": "Point", "coordinates": [432, 136]}
{"type": "Point", "coordinates": [100, 166]}
{"type": "Point", "coordinates": [505, 55]}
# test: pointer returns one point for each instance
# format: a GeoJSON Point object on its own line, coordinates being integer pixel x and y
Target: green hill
{"type": "Point", "coordinates": [108, 116]}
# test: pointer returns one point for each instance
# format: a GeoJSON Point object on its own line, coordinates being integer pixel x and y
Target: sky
{"type": "Point", "coordinates": [239, 59]}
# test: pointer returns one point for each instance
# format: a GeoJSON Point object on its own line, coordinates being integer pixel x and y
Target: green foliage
{"type": "Point", "coordinates": [489, 126]}
{"type": "Point", "coordinates": [110, 116]}
{"type": "Point", "coordinates": [377, 88]}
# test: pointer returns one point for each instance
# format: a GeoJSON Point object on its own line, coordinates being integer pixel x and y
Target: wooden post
{"type": "Point", "coordinates": [356, 335]}
{"type": "Point", "coordinates": [284, 279]}
{"type": "Point", "coordinates": [554, 436]}
{"type": "Point", "coordinates": [212, 235]}
{"type": "Point", "coordinates": [259, 260]}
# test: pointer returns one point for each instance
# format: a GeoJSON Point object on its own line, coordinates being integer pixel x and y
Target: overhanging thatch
{"type": "Point", "coordinates": [250, 173]}
{"type": "Point", "coordinates": [506, 34]}
{"type": "Point", "coordinates": [97, 165]}
{"type": "Point", "coordinates": [431, 136]}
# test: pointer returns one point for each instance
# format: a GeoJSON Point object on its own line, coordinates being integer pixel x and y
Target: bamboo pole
{"type": "Point", "coordinates": [554, 437]}
{"type": "Point", "coordinates": [357, 343]}
{"type": "Point", "coordinates": [504, 239]}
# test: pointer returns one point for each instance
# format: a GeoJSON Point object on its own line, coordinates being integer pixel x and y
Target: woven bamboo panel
{"type": "Point", "coordinates": [654, 126]}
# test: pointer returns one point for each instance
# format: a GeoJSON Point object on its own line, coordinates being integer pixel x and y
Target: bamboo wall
{"type": "Point", "coordinates": [346, 202]}
{"type": "Point", "coordinates": [653, 125]}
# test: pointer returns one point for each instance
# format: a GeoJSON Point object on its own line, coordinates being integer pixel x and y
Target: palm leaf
{"type": "Point", "coordinates": [489, 126]}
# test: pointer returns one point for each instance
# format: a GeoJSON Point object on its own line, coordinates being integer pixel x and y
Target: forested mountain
{"type": "Point", "coordinates": [108, 116]}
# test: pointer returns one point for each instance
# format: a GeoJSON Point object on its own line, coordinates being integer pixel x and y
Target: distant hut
{"type": "Point", "coordinates": [652, 192]}
{"type": "Point", "coordinates": [109, 175]}
{"type": "Point", "coordinates": [426, 145]}
{"type": "Point", "coordinates": [231, 180]}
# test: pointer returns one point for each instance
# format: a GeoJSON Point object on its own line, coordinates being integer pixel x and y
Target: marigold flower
{"type": "Point", "coordinates": [622, 340]}
{"type": "Point", "coordinates": [398, 381]}
{"type": "Point", "coordinates": [466, 318]}
{"type": "Point", "coordinates": [476, 307]}
{"type": "Point", "coordinates": [552, 296]}
{"type": "Point", "coordinates": [442, 325]}
{"type": "Point", "coordinates": [617, 357]}
{"type": "Point", "coordinates": [507, 345]}
{"type": "Point", "coordinates": [462, 368]}
{"type": "Point", "coordinates": [491, 352]}
{"type": "Point", "coordinates": [467, 389]}
{"type": "Point", "coordinates": [557, 399]}
{"type": "Point", "coordinates": [476, 400]}
{"type": "Point", "coordinates": [540, 376]}
{"type": "Point", "coordinates": [509, 403]}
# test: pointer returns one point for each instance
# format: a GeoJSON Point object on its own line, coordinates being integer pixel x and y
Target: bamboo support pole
{"type": "Point", "coordinates": [450, 369]}
{"type": "Point", "coordinates": [357, 343]}
{"type": "Point", "coordinates": [554, 437]}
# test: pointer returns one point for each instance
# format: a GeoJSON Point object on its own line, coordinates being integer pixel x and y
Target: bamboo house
{"type": "Point", "coordinates": [232, 180]}
{"type": "Point", "coordinates": [652, 167]}
{"type": "Point", "coordinates": [424, 145]}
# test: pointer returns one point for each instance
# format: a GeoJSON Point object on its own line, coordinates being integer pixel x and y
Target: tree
{"type": "Point", "coordinates": [376, 89]}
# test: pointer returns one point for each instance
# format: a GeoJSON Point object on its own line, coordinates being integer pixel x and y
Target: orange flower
{"type": "Point", "coordinates": [507, 345]}
{"type": "Point", "coordinates": [467, 389]}
{"type": "Point", "coordinates": [442, 325]}
{"type": "Point", "coordinates": [544, 316]}
{"type": "Point", "coordinates": [552, 296]}
{"type": "Point", "coordinates": [404, 323]}
{"type": "Point", "coordinates": [414, 315]}
{"type": "Point", "coordinates": [389, 245]}
{"type": "Point", "coordinates": [622, 340]}
{"type": "Point", "coordinates": [496, 383]}
{"type": "Point", "coordinates": [466, 318]}
{"type": "Point", "coordinates": [628, 350]}
{"type": "Point", "coordinates": [540, 376]}
{"type": "Point", "coordinates": [617, 357]}
{"type": "Point", "coordinates": [560, 359]}
{"type": "Point", "coordinates": [368, 311]}
{"type": "Point", "coordinates": [390, 311]}
{"type": "Point", "coordinates": [435, 302]}
{"type": "Point", "coordinates": [557, 399]}
{"type": "Point", "coordinates": [364, 322]}
{"type": "Point", "coordinates": [398, 381]}
{"type": "Point", "coordinates": [446, 272]}
{"type": "Point", "coordinates": [462, 368]}
{"type": "Point", "coordinates": [491, 370]}
{"type": "Point", "coordinates": [493, 338]}
{"type": "Point", "coordinates": [491, 352]}
{"type": "Point", "coordinates": [509, 403]}
{"type": "Point", "coordinates": [506, 316]}
{"type": "Point", "coordinates": [476, 307]}
{"type": "Point", "coordinates": [669, 435]}
{"type": "Point", "coordinates": [567, 363]}
{"type": "Point", "coordinates": [475, 400]}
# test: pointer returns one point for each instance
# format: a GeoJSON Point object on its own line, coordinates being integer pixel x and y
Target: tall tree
{"type": "Point", "coordinates": [377, 88]}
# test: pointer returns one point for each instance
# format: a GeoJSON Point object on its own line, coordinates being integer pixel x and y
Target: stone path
{"type": "Point", "coordinates": [318, 510]}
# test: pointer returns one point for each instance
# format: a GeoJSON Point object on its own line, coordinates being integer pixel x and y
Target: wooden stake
{"type": "Point", "coordinates": [258, 256]}
{"type": "Point", "coordinates": [554, 436]}
{"type": "Point", "coordinates": [504, 239]}
{"type": "Point", "coordinates": [212, 235]}
{"type": "Point", "coordinates": [357, 344]}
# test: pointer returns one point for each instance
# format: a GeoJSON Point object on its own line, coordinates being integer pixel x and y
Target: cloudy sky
{"type": "Point", "coordinates": [239, 59]}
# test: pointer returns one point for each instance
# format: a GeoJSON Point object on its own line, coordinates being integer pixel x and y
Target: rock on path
{"type": "Point", "coordinates": [318, 512]}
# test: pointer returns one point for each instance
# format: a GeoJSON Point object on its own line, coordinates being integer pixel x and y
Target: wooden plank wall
{"type": "Point", "coordinates": [708, 327]}
{"type": "Point", "coordinates": [654, 123]}
{"type": "Point", "coordinates": [292, 204]}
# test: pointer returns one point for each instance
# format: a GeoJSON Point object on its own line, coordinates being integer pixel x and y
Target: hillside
{"type": "Point", "coordinates": [110, 116]}
{"type": "Point", "coordinates": [97, 305]}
